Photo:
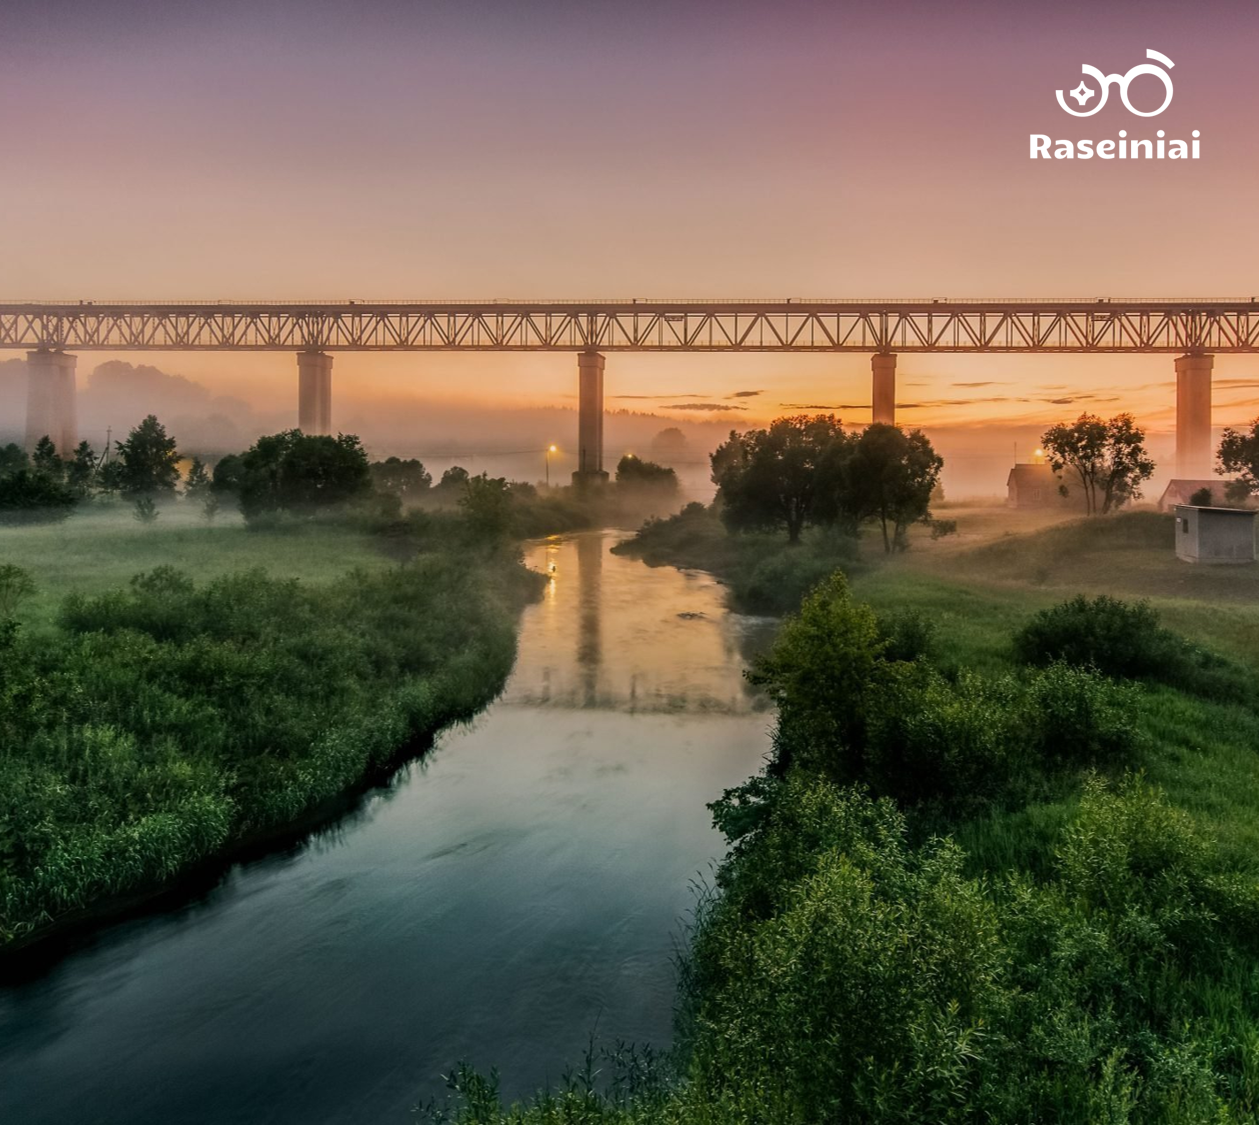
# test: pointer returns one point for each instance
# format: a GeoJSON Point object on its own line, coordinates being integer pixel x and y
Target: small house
{"type": "Point", "coordinates": [1215, 535]}
{"type": "Point", "coordinates": [1190, 492]}
{"type": "Point", "coordinates": [1033, 486]}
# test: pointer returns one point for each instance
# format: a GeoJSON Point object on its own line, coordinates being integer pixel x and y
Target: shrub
{"type": "Point", "coordinates": [1125, 639]}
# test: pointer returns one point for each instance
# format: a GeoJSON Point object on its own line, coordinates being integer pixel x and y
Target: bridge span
{"type": "Point", "coordinates": [1192, 329]}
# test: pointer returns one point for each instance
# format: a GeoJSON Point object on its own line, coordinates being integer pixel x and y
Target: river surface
{"type": "Point", "coordinates": [520, 889]}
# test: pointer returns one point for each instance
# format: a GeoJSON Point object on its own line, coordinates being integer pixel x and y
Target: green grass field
{"type": "Point", "coordinates": [983, 584]}
{"type": "Point", "coordinates": [101, 548]}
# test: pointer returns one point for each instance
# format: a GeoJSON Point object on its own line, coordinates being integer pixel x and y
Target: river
{"type": "Point", "coordinates": [520, 889]}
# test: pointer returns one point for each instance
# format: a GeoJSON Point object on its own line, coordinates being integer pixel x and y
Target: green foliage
{"type": "Point", "coordinates": [941, 529]}
{"type": "Point", "coordinates": [81, 471]}
{"type": "Point", "coordinates": [46, 461]}
{"type": "Point", "coordinates": [487, 504]}
{"type": "Point", "coordinates": [777, 478]}
{"type": "Point", "coordinates": [145, 510]}
{"type": "Point", "coordinates": [198, 483]}
{"type": "Point", "coordinates": [765, 575]}
{"type": "Point", "coordinates": [29, 496]}
{"type": "Point", "coordinates": [1125, 639]}
{"type": "Point", "coordinates": [407, 479]}
{"type": "Point", "coordinates": [453, 479]}
{"type": "Point", "coordinates": [1107, 457]}
{"type": "Point", "coordinates": [888, 475]}
{"type": "Point", "coordinates": [296, 474]}
{"type": "Point", "coordinates": [634, 472]}
{"type": "Point", "coordinates": [12, 459]}
{"type": "Point", "coordinates": [1239, 453]}
{"type": "Point", "coordinates": [148, 461]}
{"type": "Point", "coordinates": [159, 724]}
{"type": "Point", "coordinates": [15, 586]}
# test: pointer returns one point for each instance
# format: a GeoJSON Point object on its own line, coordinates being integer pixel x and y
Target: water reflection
{"type": "Point", "coordinates": [517, 890]}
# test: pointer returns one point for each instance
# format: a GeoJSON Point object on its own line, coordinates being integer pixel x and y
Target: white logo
{"type": "Point", "coordinates": [1083, 92]}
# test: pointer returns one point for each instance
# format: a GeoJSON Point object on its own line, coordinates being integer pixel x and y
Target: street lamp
{"type": "Point", "coordinates": [549, 450]}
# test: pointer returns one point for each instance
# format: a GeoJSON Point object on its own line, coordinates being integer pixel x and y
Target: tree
{"type": "Point", "coordinates": [145, 510]}
{"type": "Point", "coordinates": [1239, 453]}
{"type": "Point", "coordinates": [454, 478]}
{"type": "Point", "coordinates": [31, 497]}
{"type": "Point", "coordinates": [1108, 458]}
{"type": "Point", "coordinates": [767, 479]}
{"type": "Point", "coordinates": [300, 473]}
{"type": "Point", "coordinates": [81, 472]}
{"type": "Point", "coordinates": [487, 504]}
{"type": "Point", "coordinates": [405, 479]}
{"type": "Point", "coordinates": [13, 459]}
{"type": "Point", "coordinates": [634, 472]}
{"type": "Point", "coordinates": [197, 485]}
{"type": "Point", "coordinates": [45, 460]}
{"type": "Point", "coordinates": [150, 461]}
{"type": "Point", "coordinates": [669, 446]}
{"type": "Point", "coordinates": [888, 475]}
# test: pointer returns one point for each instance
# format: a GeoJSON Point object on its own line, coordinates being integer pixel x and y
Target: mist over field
{"type": "Point", "coordinates": [503, 441]}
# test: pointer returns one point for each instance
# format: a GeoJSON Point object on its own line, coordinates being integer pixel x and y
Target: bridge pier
{"type": "Point", "coordinates": [314, 392]}
{"type": "Point", "coordinates": [50, 408]}
{"type": "Point", "coordinates": [883, 390]}
{"type": "Point", "coordinates": [1194, 455]}
{"type": "Point", "coordinates": [589, 419]}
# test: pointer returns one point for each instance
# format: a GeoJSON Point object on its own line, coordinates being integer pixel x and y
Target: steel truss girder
{"type": "Point", "coordinates": [687, 326]}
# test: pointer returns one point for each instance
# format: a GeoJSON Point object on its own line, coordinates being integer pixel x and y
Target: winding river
{"type": "Point", "coordinates": [520, 889]}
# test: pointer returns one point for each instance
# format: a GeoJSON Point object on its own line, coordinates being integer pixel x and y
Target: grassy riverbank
{"type": "Point", "coordinates": [975, 884]}
{"type": "Point", "coordinates": [237, 680]}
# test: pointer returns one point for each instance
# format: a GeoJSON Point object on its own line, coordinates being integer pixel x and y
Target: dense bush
{"type": "Point", "coordinates": [1125, 639]}
{"type": "Point", "coordinates": [29, 496]}
{"type": "Point", "coordinates": [845, 975]}
{"type": "Point", "coordinates": [165, 721]}
{"type": "Point", "coordinates": [852, 707]}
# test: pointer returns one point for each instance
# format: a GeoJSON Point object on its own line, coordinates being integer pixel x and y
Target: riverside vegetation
{"type": "Point", "coordinates": [1000, 865]}
{"type": "Point", "coordinates": [155, 716]}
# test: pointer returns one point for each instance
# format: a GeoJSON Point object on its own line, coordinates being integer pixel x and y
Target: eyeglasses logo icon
{"type": "Point", "coordinates": [1083, 92]}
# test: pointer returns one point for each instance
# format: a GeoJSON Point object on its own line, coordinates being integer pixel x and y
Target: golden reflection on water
{"type": "Point", "coordinates": [646, 639]}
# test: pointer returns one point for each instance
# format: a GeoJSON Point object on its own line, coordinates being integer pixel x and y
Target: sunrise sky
{"type": "Point", "coordinates": [477, 149]}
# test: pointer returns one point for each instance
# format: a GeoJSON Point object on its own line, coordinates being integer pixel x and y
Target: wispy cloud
{"type": "Point", "coordinates": [745, 394]}
{"type": "Point", "coordinates": [715, 406]}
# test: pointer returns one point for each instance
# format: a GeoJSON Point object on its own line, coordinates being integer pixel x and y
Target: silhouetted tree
{"type": "Point", "coordinates": [149, 460]}
{"type": "Point", "coordinates": [46, 461]}
{"type": "Point", "coordinates": [145, 510]}
{"type": "Point", "coordinates": [1108, 458]}
{"type": "Point", "coordinates": [634, 472]}
{"type": "Point", "coordinates": [773, 478]}
{"type": "Point", "coordinates": [887, 475]}
{"type": "Point", "coordinates": [1239, 453]}
{"type": "Point", "coordinates": [299, 473]}
{"type": "Point", "coordinates": [487, 504]}
{"type": "Point", "coordinates": [668, 447]}
{"type": "Point", "coordinates": [13, 459]}
{"type": "Point", "coordinates": [197, 484]}
{"type": "Point", "coordinates": [405, 479]}
{"type": "Point", "coordinates": [453, 478]}
{"type": "Point", "coordinates": [27, 496]}
{"type": "Point", "coordinates": [81, 472]}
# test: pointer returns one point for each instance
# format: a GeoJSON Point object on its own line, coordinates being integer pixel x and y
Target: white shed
{"type": "Point", "coordinates": [1215, 535]}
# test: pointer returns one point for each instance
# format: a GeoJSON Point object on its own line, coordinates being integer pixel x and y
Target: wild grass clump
{"type": "Point", "coordinates": [161, 723]}
{"type": "Point", "coordinates": [1125, 639]}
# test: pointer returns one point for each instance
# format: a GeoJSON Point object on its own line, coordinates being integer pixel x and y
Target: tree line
{"type": "Point", "coordinates": [807, 471]}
